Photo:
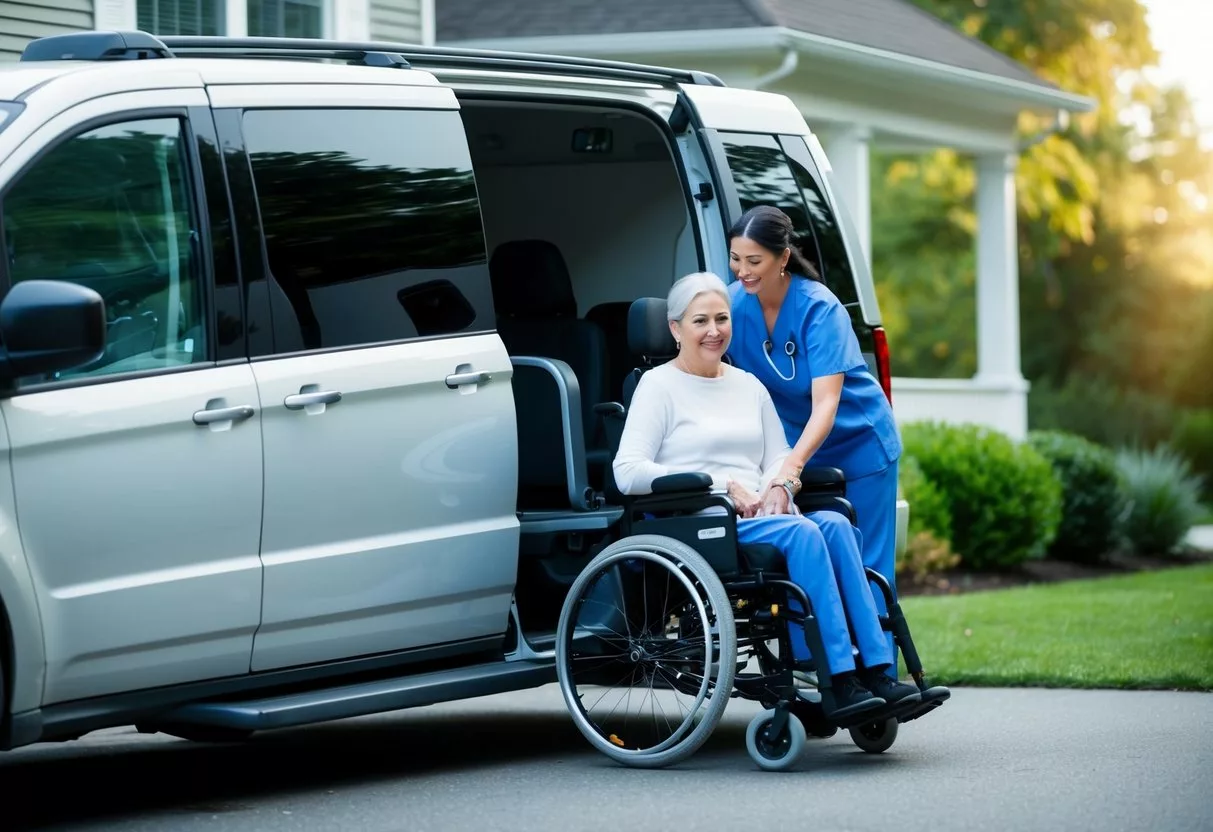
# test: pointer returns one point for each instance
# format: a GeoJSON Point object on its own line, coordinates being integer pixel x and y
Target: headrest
{"type": "Point", "coordinates": [530, 279]}
{"type": "Point", "coordinates": [649, 331]}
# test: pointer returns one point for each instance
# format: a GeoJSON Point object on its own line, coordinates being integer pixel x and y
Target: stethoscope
{"type": "Point", "coordinates": [789, 349]}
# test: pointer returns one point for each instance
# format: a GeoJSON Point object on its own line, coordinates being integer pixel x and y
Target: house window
{"type": "Point", "coordinates": [286, 18]}
{"type": "Point", "coordinates": [181, 17]}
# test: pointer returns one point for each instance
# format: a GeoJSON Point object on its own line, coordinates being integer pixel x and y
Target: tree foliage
{"type": "Point", "coordinates": [1115, 224]}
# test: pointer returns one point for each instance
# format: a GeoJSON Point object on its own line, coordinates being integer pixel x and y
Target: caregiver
{"type": "Point", "coordinates": [794, 334]}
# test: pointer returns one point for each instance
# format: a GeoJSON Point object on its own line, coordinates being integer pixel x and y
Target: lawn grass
{"type": "Point", "coordinates": [1147, 630]}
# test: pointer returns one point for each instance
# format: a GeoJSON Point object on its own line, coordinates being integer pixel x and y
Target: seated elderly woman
{"type": "Point", "coordinates": [697, 413]}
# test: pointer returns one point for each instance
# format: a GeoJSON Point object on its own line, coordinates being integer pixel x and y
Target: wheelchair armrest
{"type": "Point", "coordinates": [613, 415]}
{"type": "Point", "coordinates": [684, 492]}
{"type": "Point", "coordinates": [808, 503]}
{"type": "Point", "coordinates": [691, 482]}
{"type": "Point", "coordinates": [823, 480]}
{"type": "Point", "coordinates": [581, 496]}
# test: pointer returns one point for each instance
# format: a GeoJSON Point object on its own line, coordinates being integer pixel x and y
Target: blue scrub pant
{"type": "Point", "coordinates": [875, 500]}
{"type": "Point", "coordinates": [823, 556]}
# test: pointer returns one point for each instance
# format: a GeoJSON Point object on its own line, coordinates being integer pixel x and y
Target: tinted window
{"type": "Point", "coordinates": [763, 175]}
{"type": "Point", "coordinates": [112, 209]}
{"type": "Point", "coordinates": [830, 242]}
{"type": "Point", "coordinates": [371, 223]}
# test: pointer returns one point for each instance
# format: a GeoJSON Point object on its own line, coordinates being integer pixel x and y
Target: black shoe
{"type": "Point", "coordinates": [886, 687]}
{"type": "Point", "coordinates": [847, 702]}
{"type": "Point", "coordinates": [901, 698]}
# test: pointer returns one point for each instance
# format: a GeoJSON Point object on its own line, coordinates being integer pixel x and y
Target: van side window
{"type": "Point", "coordinates": [764, 175]}
{"type": "Point", "coordinates": [112, 209]}
{"type": "Point", "coordinates": [830, 242]}
{"type": "Point", "coordinates": [372, 225]}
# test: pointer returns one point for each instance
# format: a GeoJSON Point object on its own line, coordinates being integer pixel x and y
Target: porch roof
{"type": "Point", "coordinates": [894, 26]}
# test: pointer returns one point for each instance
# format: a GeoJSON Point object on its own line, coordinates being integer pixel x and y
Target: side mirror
{"type": "Point", "coordinates": [50, 325]}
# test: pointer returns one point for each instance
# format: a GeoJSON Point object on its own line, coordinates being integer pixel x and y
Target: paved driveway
{"type": "Point", "coordinates": [988, 760]}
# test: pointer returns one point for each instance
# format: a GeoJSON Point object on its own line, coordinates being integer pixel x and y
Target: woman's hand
{"type": "Point", "coordinates": [775, 501]}
{"type": "Point", "coordinates": [789, 471]}
{"type": "Point", "coordinates": [746, 502]}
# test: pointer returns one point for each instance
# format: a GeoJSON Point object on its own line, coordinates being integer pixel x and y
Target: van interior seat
{"type": "Point", "coordinates": [537, 316]}
{"type": "Point", "coordinates": [612, 319]}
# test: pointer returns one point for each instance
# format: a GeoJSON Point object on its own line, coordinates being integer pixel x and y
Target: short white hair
{"type": "Point", "coordinates": [686, 289]}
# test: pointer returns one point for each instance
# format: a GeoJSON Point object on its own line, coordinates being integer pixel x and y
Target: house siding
{"type": "Point", "coordinates": [396, 20]}
{"type": "Point", "coordinates": [21, 22]}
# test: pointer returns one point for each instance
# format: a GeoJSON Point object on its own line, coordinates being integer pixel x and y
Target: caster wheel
{"type": "Point", "coordinates": [875, 737]}
{"type": "Point", "coordinates": [774, 753]}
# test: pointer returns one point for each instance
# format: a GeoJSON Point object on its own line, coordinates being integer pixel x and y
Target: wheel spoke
{"type": "Point", "coordinates": [677, 651]}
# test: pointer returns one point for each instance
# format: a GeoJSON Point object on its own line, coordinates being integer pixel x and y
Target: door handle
{"type": "Point", "coordinates": [455, 380]}
{"type": "Point", "coordinates": [223, 414]}
{"type": "Point", "coordinates": [299, 401]}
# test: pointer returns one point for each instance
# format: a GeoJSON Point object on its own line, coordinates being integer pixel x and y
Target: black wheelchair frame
{"type": "Point", "coordinates": [686, 528]}
{"type": "Point", "coordinates": [758, 590]}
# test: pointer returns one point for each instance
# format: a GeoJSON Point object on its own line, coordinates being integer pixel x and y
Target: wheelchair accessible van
{"type": "Point", "coordinates": [673, 617]}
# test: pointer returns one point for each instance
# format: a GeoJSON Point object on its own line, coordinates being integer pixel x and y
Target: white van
{"type": "Point", "coordinates": [268, 305]}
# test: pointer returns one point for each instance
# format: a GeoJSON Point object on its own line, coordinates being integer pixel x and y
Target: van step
{"type": "Point", "coordinates": [364, 698]}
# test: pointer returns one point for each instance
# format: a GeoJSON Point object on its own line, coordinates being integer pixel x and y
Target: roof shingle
{"type": "Point", "coordinates": [891, 25]}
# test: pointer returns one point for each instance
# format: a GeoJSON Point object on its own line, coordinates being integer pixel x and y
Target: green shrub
{"type": "Point", "coordinates": [1194, 439]}
{"type": "Point", "coordinates": [1096, 410]}
{"type": "Point", "coordinates": [929, 510]}
{"type": "Point", "coordinates": [1093, 500]}
{"type": "Point", "coordinates": [1003, 498]}
{"type": "Point", "coordinates": [1164, 499]}
{"type": "Point", "coordinates": [924, 555]}
{"type": "Point", "coordinates": [929, 547]}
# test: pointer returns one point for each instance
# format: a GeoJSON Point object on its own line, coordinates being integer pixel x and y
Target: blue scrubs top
{"type": "Point", "coordinates": [864, 439]}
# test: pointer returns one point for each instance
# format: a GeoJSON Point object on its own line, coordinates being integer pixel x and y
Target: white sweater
{"type": "Point", "coordinates": [677, 423]}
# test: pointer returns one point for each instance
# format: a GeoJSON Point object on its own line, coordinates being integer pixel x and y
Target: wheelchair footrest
{"type": "Point", "coordinates": [932, 698]}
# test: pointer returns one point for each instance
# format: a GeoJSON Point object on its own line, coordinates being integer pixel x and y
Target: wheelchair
{"type": "Point", "coordinates": [660, 628]}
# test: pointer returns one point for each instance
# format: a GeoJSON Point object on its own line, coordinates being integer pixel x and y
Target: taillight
{"type": "Point", "coordinates": [883, 373]}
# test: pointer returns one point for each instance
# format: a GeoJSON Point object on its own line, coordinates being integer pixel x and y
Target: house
{"type": "Point", "coordinates": [409, 21]}
{"type": "Point", "coordinates": [866, 74]}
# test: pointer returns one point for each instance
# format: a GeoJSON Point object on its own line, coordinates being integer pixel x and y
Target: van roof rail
{"type": "Point", "coordinates": [98, 46]}
{"type": "Point", "coordinates": [95, 46]}
{"type": "Point", "coordinates": [103, 46]}
{"type": "Point", "coordinates": [433, 56]}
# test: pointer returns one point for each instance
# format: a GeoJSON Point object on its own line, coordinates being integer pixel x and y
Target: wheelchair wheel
{"type": "Point", "coordinates": [875, 737]}
{"type": "Point", "coordinates": [646, 651]}
{"type": "Point", "coordinates": [771, 751]}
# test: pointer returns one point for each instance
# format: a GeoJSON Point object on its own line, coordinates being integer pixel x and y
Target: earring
{"type": "Point", "coordinates": [677, 344]}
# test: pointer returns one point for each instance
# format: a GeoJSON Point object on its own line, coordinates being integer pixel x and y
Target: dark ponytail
{"type": "Point", "coordinates": [772, 229]}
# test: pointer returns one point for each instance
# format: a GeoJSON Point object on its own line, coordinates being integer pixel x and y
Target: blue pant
{"type": "Point", "coordinates": [875, 501]}
{"type": "Point", "coordinates": [822, 551]}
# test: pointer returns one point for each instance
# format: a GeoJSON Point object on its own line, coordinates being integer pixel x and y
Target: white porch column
{"type": "Point", "coordinates": [351, 20]}
{"type": "Point", "coordinates": [235, 18]}
{"type": "Point", "coordinates": [997, 269]}
{"type": "Point", "coordinates": [998, 362]}
{"type": "Point", "coordinates": [847, 149]}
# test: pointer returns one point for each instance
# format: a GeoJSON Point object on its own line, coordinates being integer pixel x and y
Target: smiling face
{"type": "Point", "coordinates": [755, 266]}
{"type": "Point", "coordinates": [704, 331]}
